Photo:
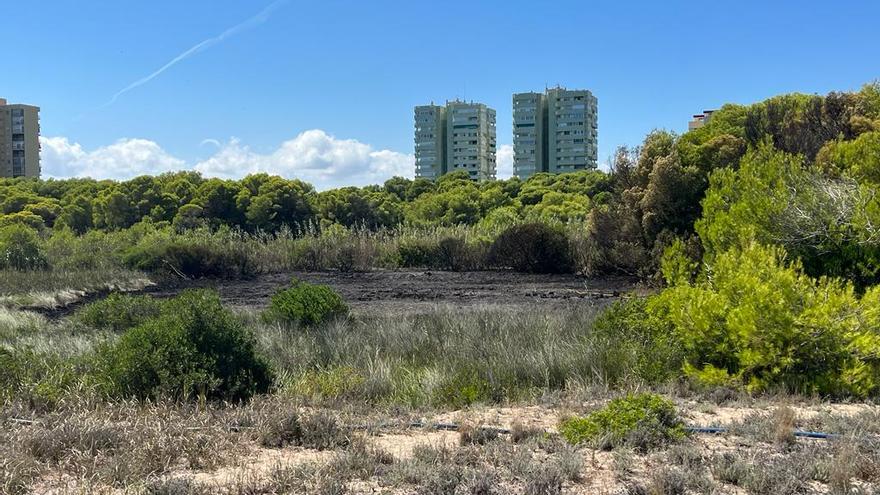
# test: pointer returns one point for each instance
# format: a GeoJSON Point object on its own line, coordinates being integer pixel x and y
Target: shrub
{"type": "Point", "coordinates": [305, 304]}
{"type": "Point", "coordinates": [191, 258]}
{"type": "Point", "coordinates": [643, 421]}
{"type": "Point", "coordinates": [20, 248]}
{"type": "Point", "coordinates": [194, 346]}
{"type": "Point", "coordinates": [532, 248]}
{"type": "Point", "coordinates": [119, 312]}
{"type": "Point", "coordinates": [754, 319]}
{"type": "Point", "coordinates": [463, 388]}
{"type": "Point", "coordinates": [417, 253]}
{"type": "Point", "coordinates": [318, 431]}
{"type": "Point", "coordinates": [629, 344]}
{"type": "Point", "coordinates": [453, 254]}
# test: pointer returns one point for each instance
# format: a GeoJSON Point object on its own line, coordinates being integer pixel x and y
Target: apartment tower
{"type": "Point", "coordinates": [555, 131]}
{"type": "Point", "coordinates": [430, 141]}
{"type": "Point", "coordinates": [19, 140]}
{"type": "Point", "coordinates": [458, 136]}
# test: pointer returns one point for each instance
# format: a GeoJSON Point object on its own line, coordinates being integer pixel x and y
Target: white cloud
{"type": "Point", "coordinates": [313, 156]}
{"type": "Point", "coordinates": [504, 161]}
{"type": "Point", "coordinates": [123, 159]}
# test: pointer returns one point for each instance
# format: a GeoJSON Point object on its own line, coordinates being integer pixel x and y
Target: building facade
{"type": "Point", "coordinates": [555, 131]}
{"type": "Point", "coordinates": [458, 136]}
{"type": "Point", "coordinates": [529, 134]}
{"type": "Point", "coordinates": [19, 140]}
{"type": "Point", "coordinates": [700, 119]}
{"type": "Point", "coordinates": [430, 141]}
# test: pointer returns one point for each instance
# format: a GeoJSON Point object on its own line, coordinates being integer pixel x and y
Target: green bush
{"type": "Point", "coordinates": [20, 248]}
{"type": "Point", "coordinates": [417, 253]}
{"type": "Point", "coordinates": [119, 312]}
{"type": "Point", "coordinates": [462, 388]}
{"type": "Point", "coordinates": [305, 304]}
{"type": "Point", "coordinates": [630, 346]}
{"type": "Point", "coordinates": [642, 421]}
{"type": "Point", "coordinates": [194, 347]}
{"type": "Point", "coordinates": [755, 319]}
{"type": "Point", "coordinates": [191, 258]}
{"type": "Point", "coordinates": [532, 248]}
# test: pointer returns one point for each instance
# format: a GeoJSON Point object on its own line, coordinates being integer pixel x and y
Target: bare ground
{"type": "Point", "coordinates": [393, 292]}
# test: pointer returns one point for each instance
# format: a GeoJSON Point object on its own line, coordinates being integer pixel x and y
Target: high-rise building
{"type": "Point", "coordinates": [430, 141]}
{"type": "Point", "coordinates": [470, 139]}
{"type": "Point", "coordinates": [529, 134]}
{"type": "Point", "coordinates": [700, 119]}
{"type": "Point", "coordinates": [555, 132]}
{"type": "Point", "coordinates": [458, 136]}
{"type": "Point", "coordinates": [19, 140]}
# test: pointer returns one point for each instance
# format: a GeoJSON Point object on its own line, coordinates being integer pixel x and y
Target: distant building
{"type": "Point", "coordinates": [529, 134]}
{"type": "Point", "coordinates": [430, 141]}
{"type": "Point", "coordinates": [555, 131]}
{"type": "Point", "coordinates": [19, 140]}
{"type": "Point", "coordinates": [458, 136]}
{"type": "Point", "coordinates": [700, 120]}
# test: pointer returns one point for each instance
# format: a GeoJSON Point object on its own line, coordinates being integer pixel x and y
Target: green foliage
{"type": "Point", "coordinates": [190, 256]}
{"type": "Point", "coordinates": [774, 199]}
{"type": "Point", "coordinates": [462, 388]}
{"type": "Point", "coordinates": [119, 312]}
{"type": "Point", "coordinates": [754, 318]}
{"type": "Point", "coordinates": [305, 305]}
{"type": "Point", "coordinates": [859, 158]}
{"type": "Point", "coordinates": [532, 248]}
{"type": "Point", "coordinates": [643, 421]}
{"type": "Point", "coordinates": [634, 347]}
{"type": "Point", "coordinates": [20, 248]}
{"type": "Point", "coordinates": [332, 383]}
{"type": "Point", "coordinates": [194, 348]}
{"type": "Point", "coordinates": [40, 379]}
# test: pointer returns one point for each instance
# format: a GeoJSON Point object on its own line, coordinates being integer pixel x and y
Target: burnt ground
{"type": "Point", "coordinates": [398, 292]}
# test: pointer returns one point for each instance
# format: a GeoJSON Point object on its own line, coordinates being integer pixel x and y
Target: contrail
{"type": "Point", "coordinates": [204, 45]}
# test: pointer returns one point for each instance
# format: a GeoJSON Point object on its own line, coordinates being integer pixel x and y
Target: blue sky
{"type": "Point", "coordinates": [350, 72]}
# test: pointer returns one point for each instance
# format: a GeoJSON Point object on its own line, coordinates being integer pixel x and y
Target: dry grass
{"type": "Point", "coordinates": [55, 288]}
{"type": "Point", "coordinates": [171, 448]}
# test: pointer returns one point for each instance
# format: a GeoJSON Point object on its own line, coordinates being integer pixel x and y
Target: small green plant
{"type": "Point", "coordinates": [119, 312]}
{"type": "Point", "coordinates": [463, 388]}
{"type": "Point", "coordinates": [195, 347]}
{"type": "Point", "coordinates": [305, 304]}
{"type": "Point", "coordinates": [642, 421]}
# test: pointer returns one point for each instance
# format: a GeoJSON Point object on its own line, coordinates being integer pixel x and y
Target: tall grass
{"type": "Point", "coordinates": [101, 260]}
{"type": "Point", "coordinates": [446, 357]}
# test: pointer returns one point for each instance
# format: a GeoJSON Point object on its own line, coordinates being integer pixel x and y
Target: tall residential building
{"type": "Point", "coordinates": [19, 140]}
{"type": "Point", "coordinates": [700, 119]}
{"type": "Point", "coordinates": [529, 134]}
{"type": "Point", "coordinates": [470, 139]}
{"type": "Point", "coordinates": [430, 141]}
{"type": "Point", "coordinates": [458, 136]}
{"type": "Point", "coordinates": [555, 131]}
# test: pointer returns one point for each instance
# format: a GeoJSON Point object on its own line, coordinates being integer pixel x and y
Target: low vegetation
{"type": "Point", "coordinates": [305, 305]}
{"type": "Point", "coordinates": [193, 348]}
{"type": "Point", "coordinates": [643, 421]}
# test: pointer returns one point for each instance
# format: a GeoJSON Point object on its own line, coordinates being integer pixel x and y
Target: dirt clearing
{"type": "Point", "coordinates": [401, 292]}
